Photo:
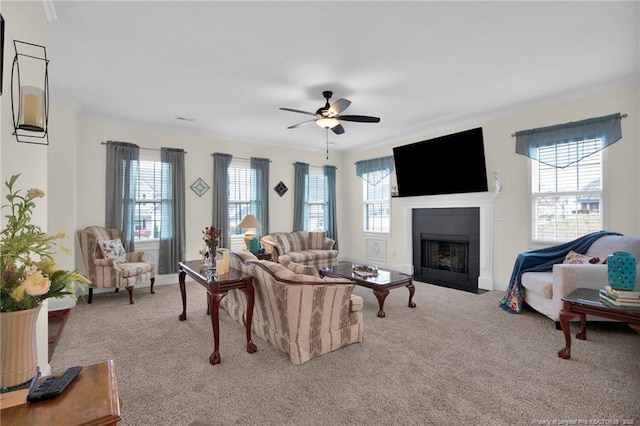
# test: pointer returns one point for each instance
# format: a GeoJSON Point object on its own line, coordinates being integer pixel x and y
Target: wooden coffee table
{"type": "Point", "coordinates": [585, 301]}
{"type": "Point", "coordinates": [381, 284]}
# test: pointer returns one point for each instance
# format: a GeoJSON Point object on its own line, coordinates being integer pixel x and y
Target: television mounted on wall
{"type": "Point", "coordinates": [450, 164]}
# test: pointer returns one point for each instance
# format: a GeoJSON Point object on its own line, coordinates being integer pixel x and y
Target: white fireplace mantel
{"type": "Point", "coordinates": [483, 200]}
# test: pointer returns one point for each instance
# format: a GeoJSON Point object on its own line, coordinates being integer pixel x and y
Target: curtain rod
{"type": "Point", "coordinates": [513, 135]}
{"type": "Point", "coordinates": [313, 165]}
{"type": "Point", "coordinates": [242, 158]}
{"type": "Point", "coordinates": [148, 149]}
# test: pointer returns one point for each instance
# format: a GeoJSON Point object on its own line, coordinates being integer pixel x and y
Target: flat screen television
{"type": "Point", "coordinates": [450, 164]}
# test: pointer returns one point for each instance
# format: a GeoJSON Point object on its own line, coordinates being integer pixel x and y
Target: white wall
{"type": "Point", "coordinates": [24, 21]}
{"type": "Point", "coordinates": [621, 176]}
{"type": "Point", "coordinates": [91, 159]}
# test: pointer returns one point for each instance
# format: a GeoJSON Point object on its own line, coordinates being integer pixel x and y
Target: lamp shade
{"type": "Point", "coordinates": [249, 221]}
{"type": "Point", "coordinates": [327, 123]}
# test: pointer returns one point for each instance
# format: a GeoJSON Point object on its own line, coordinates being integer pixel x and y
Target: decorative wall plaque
{"type": "Point", "coordinates": [199, 187]}
{"type": "Point", "coordinates": [281, 188]}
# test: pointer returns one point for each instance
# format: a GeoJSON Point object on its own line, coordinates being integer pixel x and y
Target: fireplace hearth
{"type": "Point", "coordinates": [446, 245]}
{"type": "Point", "coordinates": [483, 201]}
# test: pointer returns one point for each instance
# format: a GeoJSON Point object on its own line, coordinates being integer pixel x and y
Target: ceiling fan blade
{"type": "Point", "coordinates": [338, 106]}
{"type": "Point", "coordinates": [297, 110]}
{"type": "Point", "coordinates": [301, 124]}
{"type": "Point", "coordinates": [359, 118]}
{"type": "Point", "coordinates": [338, 130]}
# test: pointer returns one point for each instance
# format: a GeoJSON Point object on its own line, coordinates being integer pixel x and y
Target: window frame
{"type": "Point", "coordinates": [150, 156]}
{"type": "Point", "coordinates": [239, 163]}
{"type": "Point", "coordinates": [531, 168]}
{"type": "Point", "coordinates": [385, 201]}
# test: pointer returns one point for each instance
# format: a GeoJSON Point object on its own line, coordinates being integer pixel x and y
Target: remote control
{"type": "Point", "coordinates": [53, 386]}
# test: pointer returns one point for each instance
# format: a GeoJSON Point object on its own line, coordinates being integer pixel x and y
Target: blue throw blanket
{"type": "Point", "coordinates": [539, 261]}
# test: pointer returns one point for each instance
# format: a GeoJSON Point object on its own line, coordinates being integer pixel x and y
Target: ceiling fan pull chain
{"type": "Point", "coordinates": [327, 133]}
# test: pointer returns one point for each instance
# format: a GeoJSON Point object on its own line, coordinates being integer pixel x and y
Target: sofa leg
{"type": "Point", "coordinates": [558, 325]}
{"type": "Point", "coordinates": [153, 280]}
{"type": "Point", "coordinates": [130, 290]}
{"type": "Point", "coordinates": [90, 295]}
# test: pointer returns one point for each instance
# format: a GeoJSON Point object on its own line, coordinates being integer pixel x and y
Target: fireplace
{"type": "Point", "coordinates": [444, 218]}
{"type": "Point", "coordinates": [446, 245]}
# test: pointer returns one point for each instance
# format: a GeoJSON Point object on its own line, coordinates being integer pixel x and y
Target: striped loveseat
{"type": "Point", "coordinates": [302, 247]}
{"type": "Point", "coordinates": [304, 316]}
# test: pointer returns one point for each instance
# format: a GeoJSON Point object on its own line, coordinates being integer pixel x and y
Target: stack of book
{"type": "Point", "coordinates": [620, 297]}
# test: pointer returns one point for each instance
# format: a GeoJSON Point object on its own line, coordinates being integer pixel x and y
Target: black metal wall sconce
{"type": "Point", "coordinates": [30, 93]}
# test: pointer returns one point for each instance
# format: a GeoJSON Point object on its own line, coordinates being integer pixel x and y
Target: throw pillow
{"type": "Point", "coordinates": [113, 249]}
{"type": "Point", "coordinates": [283, 242]}
{"type": "Point", "coordinates": [576, 258]}
{"type": "Point", "coordinates": [316, 239]}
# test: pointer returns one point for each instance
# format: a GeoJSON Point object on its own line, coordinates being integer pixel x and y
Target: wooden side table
{"type": "Point", "coordinates": [90, 399]}
{"type": "Point", "coordinates": [585, 301]}
{"type": "Point", "coordinates": [217, 287]}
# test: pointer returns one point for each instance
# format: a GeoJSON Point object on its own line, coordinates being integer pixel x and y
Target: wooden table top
{"type": "Point", "coordinates": [90, 399]}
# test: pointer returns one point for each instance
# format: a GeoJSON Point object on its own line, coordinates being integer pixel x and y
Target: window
{"type": "Point", "coordinates": [240, 191]}
{"type": "Point", "coordinates": [316, 204]}
{"type": "Point", "coordinates": [377, 216]}
{"type": "Point", "coordinates": [566, 202]}
{"type": "Point", "coordinates": [148, 201]}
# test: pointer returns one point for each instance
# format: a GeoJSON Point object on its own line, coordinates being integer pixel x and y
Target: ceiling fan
{"type": "Point", "coordinates": [328, 116]}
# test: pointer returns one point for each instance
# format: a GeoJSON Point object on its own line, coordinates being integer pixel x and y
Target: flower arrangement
{"type": "Point", "coordinates": [28, 272]}
{"type": "Point", "coordinates": [211, 236]}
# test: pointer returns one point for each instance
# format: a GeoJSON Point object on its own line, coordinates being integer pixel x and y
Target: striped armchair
{"type": "Point", "coordinates": [304, 316]}
{"type": "Point", "coordinates": [109, 269]}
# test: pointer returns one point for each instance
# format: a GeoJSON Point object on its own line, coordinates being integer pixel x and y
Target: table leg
{"type": "Point", "coordinates": [183, 293]}
{"type": "Point", "coordinates": [214, 301]}
{"type": "Point", "coordinates": [412, 290]}
{"type": "Point", "coordinates": [381, 295]}
{"type": "Point", "coordinates": [249, 291]}
{"type": "Point", "coordinates": [582, 334]}
{"type": "Point", "coordinates": [565, 317]}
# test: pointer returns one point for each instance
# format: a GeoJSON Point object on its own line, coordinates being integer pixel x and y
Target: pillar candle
{"type": "Point", "coordinates": [225, 261]}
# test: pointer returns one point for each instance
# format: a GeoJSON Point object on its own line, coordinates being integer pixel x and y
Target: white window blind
{"type": "Point", "coordinates": [566, 202]}
{"type": "Point", "coordinates": [377, 217]}
{"type": "Point", "coordinates": [316, 200]}
{"type": "Point", "coordinates": [148, 197]}
{"type": "Point", "coordinates": [240, 194]}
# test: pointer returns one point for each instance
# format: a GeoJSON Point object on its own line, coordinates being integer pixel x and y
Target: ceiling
{"type": "Point", "coordinates": [420, 66]}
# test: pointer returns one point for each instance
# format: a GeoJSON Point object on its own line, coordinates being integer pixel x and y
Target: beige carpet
{"type": "Point", "coordinates": [455, 359]}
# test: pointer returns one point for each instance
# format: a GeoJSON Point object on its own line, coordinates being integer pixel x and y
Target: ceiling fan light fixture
{"type": "Point", "coordinates": [327, 123]}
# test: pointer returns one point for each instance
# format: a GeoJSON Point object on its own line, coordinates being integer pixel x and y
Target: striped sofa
{"type": "Point", "coordinates": [304, 316]}
{"type": "Point", "coordinates": [305, 248]}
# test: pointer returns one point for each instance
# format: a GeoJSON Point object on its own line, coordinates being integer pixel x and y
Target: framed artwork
{"type": "Point", "coordinates": [199, 187]}
{"type": "Point", "coordinates": [281, 188]}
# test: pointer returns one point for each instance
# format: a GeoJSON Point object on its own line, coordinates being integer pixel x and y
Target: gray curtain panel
{"type": "Point", "coordinates": [300, 195]}
{"type": "Point", "coordinates": [121, 176]}
{"type": "Point", "coordinates": [330, 213]}
{"type": "Point", "coordinates": [260, 203]}
{"type": "Point", "coordinates": [374, 170]}
{"type": "Point", "coordinates": [172, 228]}
{"type": "Point", "coordinates": [220, 218]}
{"type": "Point", "coordinates": [606, 130]}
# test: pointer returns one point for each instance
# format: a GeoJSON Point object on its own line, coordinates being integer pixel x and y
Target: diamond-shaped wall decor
{"type": "Point", "coordinates": [199, 187]}
{"type": "Point", "coordinates": [281, 188]}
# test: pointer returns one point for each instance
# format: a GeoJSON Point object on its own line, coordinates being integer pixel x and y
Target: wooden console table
{"type": "Point", "coordinates": [90, 399]}
{"type": "Point", "coordinates": [217, 287]}
{"type": "Point", "coordinates": [585, 301]}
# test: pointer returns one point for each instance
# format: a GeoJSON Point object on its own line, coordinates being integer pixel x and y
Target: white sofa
{"type": "Point", "coordinates": [544, 290]}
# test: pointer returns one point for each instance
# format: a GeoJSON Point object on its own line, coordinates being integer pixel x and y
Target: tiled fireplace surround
{"type": "Point", "coordinates": [483, 200]}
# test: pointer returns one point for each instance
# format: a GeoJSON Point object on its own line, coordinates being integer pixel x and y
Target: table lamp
{"type": "Point", "coordinates": [249, 222]}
